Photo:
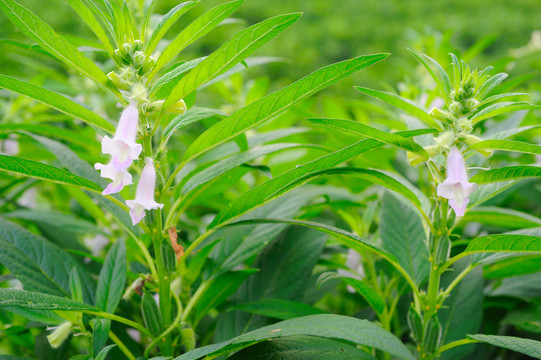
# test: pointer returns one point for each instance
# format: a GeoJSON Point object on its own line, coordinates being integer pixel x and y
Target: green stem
{"type": "Point", "coordinates": [121, 346]}
{"type": "Point", "coordinates": [452, 345]}
{"type": "Point", "coordinates": [193, 301]}
{"type": "Point", "coordinates": [193, 245]}
{"type": "Point", "coordinates": [120, 319]}
{"type": "Point", "coordinates": [459, 278]}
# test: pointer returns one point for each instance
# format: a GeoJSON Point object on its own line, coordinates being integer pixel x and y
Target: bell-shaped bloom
{"type": "Point", "coordinates": [122, 147]}
{"type": "Point", "coordinates": [144, 198]}
{"type": "Point", "coordinates": [456, 187]}
{"type": "Point", "coordinates": [120, 178]}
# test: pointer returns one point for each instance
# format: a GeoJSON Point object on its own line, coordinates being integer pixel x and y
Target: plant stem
{"type": "Point", "coordinates": [121, 346]}
{"type": "Point", "coordinates": [452, 345]}
{"type": "Point", "coordinates": [120, 319]}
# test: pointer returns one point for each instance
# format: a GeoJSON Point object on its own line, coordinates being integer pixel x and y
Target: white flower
{"type": "Point", "coordinates": [144, 198]}
{"type": "Point", "coordinates": [122, 147]}
{"type": "Point", "coordinates": [120, 178]}
{"type": "Point", "coordinates": [456, 187]}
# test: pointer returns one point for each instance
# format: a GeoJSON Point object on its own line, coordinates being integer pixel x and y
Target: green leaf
{"type": "Point", "coordinates": [512, 132]}
{"type": "Point", "coordinates": [39, 301]}
{"type": "Point", "coordinates": [302, 348]}
{"type": "Point", "coordinates": [112, 278]}
{"type": "Point", "coordinates": [189, 117]}
{"type": "Point", "coordinates": [404, 104]}
{"type": "Point", "coordinates": [373, 299]}
{"type": "Point", "coordinates": [500, 217]}
{"type": "Point", "coordinates": [514, 266]}
{"type": "Point", "coordinates": [501, 108]}
{"type": "Point", "coordinates": [165, 24]}
{"type": "Point", "coordinates": [103, 353]}
{"type": "Point", "coordinates": [88, 17]}
{"type": "Point", "coordinates": [65, 222]}
{"type": "Point", "coordinates": [524, 346]}
{"type": "Point", "coordinates": [219, 289]}
{"type": "Point", "coordinates": [506, 173]}
{"type": "Point", "coordinates": [277, 309]}
{"type": "Point", "coordinates": [39, 264]}
{"type": "Point", "coordinates": [100, 334]}
{"type": "Point", "coordinates": [348, 239]}
{"type": "Point", "coordinates": [52, 132]}
{"type": "Point", "coordinates": [242, 45]}
{"type": "Point", "coordinates": [499, 97]}
{"type": "Point", "coordinates": [508, 145]}
{"type": "Point", "coordinates": [373, 133]}
{"type": "Point", "coordinates": [55, 100]}
{"type": "Point", "coordinates": [440, 76]}
{"type": "Point", "coordinates": [165, 84]}
{"type": "Point", "coordinates": [273, 104]}
{"type": "Point", "coordinates": [279, 185]}
{"type": "Point", "coordinates": [403, 235]}
{"type": "Point", "coordinates": [45, 172]}
{"type": "Point", "coordinates": [338, 327]}
{"type": "Point", "coordinates": [504, 243]}
{"type": "Point", "coordinates": [37, 30]}
{"type": "Point", "coordinates": [232, 162]}
{"type": "Point", "coordinates": [197, 28]}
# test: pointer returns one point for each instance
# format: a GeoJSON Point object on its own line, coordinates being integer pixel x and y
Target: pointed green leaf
{"type": "Point", "coordinates": [232, 162]}
{"type": "Point", "coordinates": [349, 329]}
{"type": "Point", "coordinates": [45, 172]}
{"type": "Point", "coordinates": [55, 100]}
{"type": "Point", "coordinates": [506, 173]}
{"type": "Point", "coordinates": [165, 24]}
{"type": "Point", "coordinates": [39, 264]}
{"type": "Point", "coordinates": [293, 178]}
{"type": "Point", "coordinates": [373, 299]}
{"type": "Point", "coordinates": [39, 31]}
{"type": "Point", "coordinates": [273, 104]}
{"type": "Point", "coordinates": [373, 133]}
{"type": "Point", "coordinates": [403, 104]}
{"type": "Point", "coordinates": [39, 301]}
{"type": "Point", "coordinates": [508, 145]}
{"type": "Point", "coordinates": [88, 17]}
{"type": "Point", "coordinates": [524, 346]}
{"type": "Point", "coordinates": [501, 108]}
{"type": "Point", "coordinates": [504, 243]}
{"type": "Point", "coordinates": [165, 84]}
{"type": "Point", "coordinates": [500, 217]}
{"type": "Point", "coordinates": [440, 76]}
{"type": "Point", "coordinates": [199, 27]}
{"type": "Point", "coordinates": [242, 45]}
{"type": "Point", "coordinates": [191, 116]}
{"type": "Point", "coordinates": [112, 278]}
{"type": "Point", "coordinates": [302, 348]}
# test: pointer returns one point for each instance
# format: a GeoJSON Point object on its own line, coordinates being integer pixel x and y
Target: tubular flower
{"type": "Point", "coordinates": [120, 178]}
{"type": "Point", "coordinates": [456, 187]}
{"type": "Point", "coordinates": [144, 198]}
{"type": "Point", "coordinates": [122, 147]}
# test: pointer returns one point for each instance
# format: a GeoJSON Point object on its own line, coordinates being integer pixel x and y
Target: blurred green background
{"type": "Point", "coordinates": [331, 31]}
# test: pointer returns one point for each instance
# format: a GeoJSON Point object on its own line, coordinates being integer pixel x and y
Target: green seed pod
{"type": "Point", "coordinates": [443, 250]}
{"type": "Point", "coordinates": [168, 257]}
{"type": "Point", "coordinates": [188, 338]}
{"type": "Point", "coordinates": [432, 334]}
{"type": "Point", "coordinates": [151, 314]}
{"type": "Point", "coordinates": [415, 323]}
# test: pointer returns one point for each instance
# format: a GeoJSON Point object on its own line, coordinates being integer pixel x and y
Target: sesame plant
{"type": "Point", "coordinates": [140, 222]}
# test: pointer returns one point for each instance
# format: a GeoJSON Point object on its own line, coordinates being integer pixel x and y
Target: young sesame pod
{"type": "Point", "coordinates": [187, 338]}
{"type": "Point", "coordinates": [151, 314]}
{"type": "Point", "coordinates": [443, 250]}
{"type": "Point", "coordinates": [432, 334]}
{"type": "Point", "coordinates": [415, 323]}
{"type": "Point", "coordinates": [168, 257]}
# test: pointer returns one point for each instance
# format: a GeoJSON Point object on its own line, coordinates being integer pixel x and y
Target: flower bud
{"type": "Point", "coordinates": [137, 45]}
{"type": "Point", "coordinates": [139, 93]}
{"type": "Point", "coordinates": [444, 141]}
{"type": "Point", "coordinates": [59, 335]}
{"type": "Point", "coordinates": [178, 108]}
{"type": "Point", "coordinates": [116, 80]}
{"type": "Point", "coordinates": [149, 64]}
{"type": "Point", "coordinates": [441, 115]}
{"type": "Point", "coordinates": [471, 103]}
{"type": "Point", "coordinates": [465, 125]}
{"type": "Point", "coordinates": [456, 107]}
{"type": "Point", "coordinates": [139, 59]}
{"type": "Point", "coordinates": [415, 159]}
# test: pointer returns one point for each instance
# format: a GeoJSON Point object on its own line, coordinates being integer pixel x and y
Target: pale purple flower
{"type": "Point", "coordinates": [122, 147]}
{"type": "Point", "coordinates": [144, 198]}
{"type": "Point", "coordinates": [120, 178]}
{"type": "Point", "coordinates": [456, 187]}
